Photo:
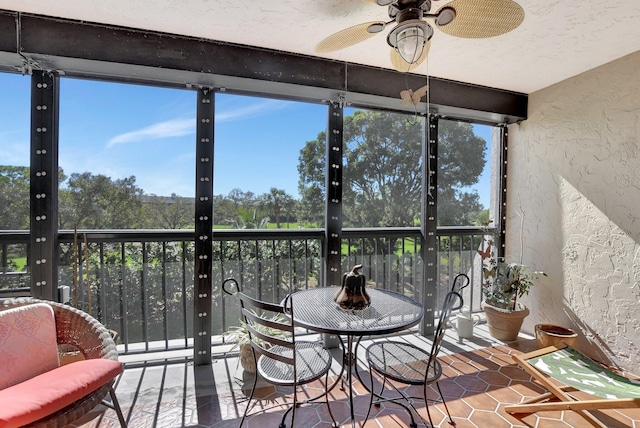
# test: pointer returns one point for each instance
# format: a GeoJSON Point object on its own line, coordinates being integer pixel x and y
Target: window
{"type": "Point", "coordinates": [127, 154]}
{"type": "Point", "coordinates": [127, 161]}
{"type": "Point", "coordinates": [382, 169]}
{"type": "Point", "coordinates": [14, 178]}
{"type": "Point", "coordinates": [14, 151]}
{"type": "Point", "coordinates": [464, 173]}
{"type": "Point", "coordinates": [268, 163]}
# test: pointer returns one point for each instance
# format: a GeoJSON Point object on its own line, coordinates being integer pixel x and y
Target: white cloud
{"type": "Point", "coordinates": [180, 127]}
{"type": "Point", "coordinates": [170, 128]}
{"type": "Point", "coordinates": [265, 106]}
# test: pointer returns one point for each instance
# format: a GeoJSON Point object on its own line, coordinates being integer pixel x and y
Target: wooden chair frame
{"type": "Point", "coordinates": [562, 392]}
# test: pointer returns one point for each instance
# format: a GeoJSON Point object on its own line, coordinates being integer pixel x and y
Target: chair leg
{"type": "Point", "coordinates": [116, 407]}
{"type": "Point", "coordinates": [253, 388]}
{"type": "Point", "coordinates": [294, 407]}
{"type": "Point", "coordinates": [326, 396]}
{"type": "Point", "coordinates": [426, 405]}
{"type": "Point", "coordinates": [283, 423]}
{"type": "Point", "coordinates": [384, 383]}
{"type": "Point", "coordinates": [396, 401]}
{"type": "Point", "coordinates": [410, 406]}
{"type": "Point", "coordinates": [451, 421]}
{"type": "Point", "coordinates": [371, 394]}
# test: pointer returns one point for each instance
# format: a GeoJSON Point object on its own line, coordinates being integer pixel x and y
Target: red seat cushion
{"type": "Point", "coordinates": [51, 391]}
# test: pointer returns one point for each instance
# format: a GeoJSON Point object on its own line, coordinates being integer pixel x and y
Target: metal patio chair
{"type": "Point", "coordinates": [281, 361]}
{"type": "Point", "coordinates": [410, 365]}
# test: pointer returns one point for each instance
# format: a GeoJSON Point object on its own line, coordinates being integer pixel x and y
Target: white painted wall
{"type": "Point", "coordinates": [574, 208]}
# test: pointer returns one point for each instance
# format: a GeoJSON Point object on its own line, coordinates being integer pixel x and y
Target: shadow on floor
{"type": "Point", "coordinates": [477, 383]}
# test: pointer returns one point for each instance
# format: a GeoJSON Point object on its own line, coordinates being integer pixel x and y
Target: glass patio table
{"type": "Point", "coordinates": [389, 312]}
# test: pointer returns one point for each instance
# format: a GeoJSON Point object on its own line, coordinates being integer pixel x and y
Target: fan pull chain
{"type": "Point", "coordinates": [409, 96]}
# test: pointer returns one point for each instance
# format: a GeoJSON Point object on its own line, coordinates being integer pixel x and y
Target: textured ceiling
{"type": "Point", "coordinates": [557, 40]}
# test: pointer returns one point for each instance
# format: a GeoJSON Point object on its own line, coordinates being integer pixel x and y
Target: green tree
{"type": "Point", "coordinates": [277, 201]}
{"type": "Point", "coordinates": [382, 171]}
{"type": "Point", "coordinates": [226, 207]}
{"type": "Point", "coordinates": [14, 197]}
{"type": "Point", "coordinates": [96, 202]}
{"type": "Point", "coordinates": [461, 160]}
{"type": "Point", "coordinates": [311, 181]}
{"type": "Point", "coordinates": [483, 218]}
{"type": "Point", "coordinates": [240, 198]}
{"type": "Point", "coordinates": [310, 209]}
{"type": "Point", "coordinates": [289, 208]}
{"type": "Point", "coordinates": [248, 219]}
{"type": "Point", "coordinates": [163, 212]}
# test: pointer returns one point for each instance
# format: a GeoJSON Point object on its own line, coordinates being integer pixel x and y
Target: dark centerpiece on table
{"type": "Point", "coordinates": [353, 293]}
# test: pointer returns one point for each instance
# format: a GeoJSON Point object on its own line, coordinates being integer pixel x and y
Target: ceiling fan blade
{"type": "Point", "coordinates": [383, 3]}
{"type": "Point", "coordinates": [476, 19]}
{"type": "Point", "coordinates": [401, 65]}
{"type": "Point", "coordinates": [347, 37]}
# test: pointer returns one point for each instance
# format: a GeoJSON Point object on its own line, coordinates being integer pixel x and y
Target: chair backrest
{"type": "Point", "coordinates": [459, 282]}
{"type": "Point", "coordinates": [452, 302]}
{"type": "Point", "coordinates": [268, 324]}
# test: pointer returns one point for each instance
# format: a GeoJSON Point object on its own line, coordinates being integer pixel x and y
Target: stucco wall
{"type": "Point", "coordinates": [574, 208]}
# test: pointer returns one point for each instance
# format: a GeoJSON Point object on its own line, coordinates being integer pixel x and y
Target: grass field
{"type": "Point", "coordinates": [269, 226]}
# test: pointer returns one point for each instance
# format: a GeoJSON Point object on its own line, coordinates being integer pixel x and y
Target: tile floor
{"type": "Point", "coordinates": [479, 379]}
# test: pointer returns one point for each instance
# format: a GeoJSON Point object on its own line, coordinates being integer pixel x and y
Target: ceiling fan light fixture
{"type": "Point", "coordinates": [409, 39]}
{"type": "Point", "coordinates": [410, 44]}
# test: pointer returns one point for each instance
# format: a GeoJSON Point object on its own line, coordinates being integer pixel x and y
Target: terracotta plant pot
{"type": "Point", "coordinates": [550, 335]}
{"type": "Point", "coordinates": [246, 358]}
{"type": "Point", "coordinates": [504, 324]}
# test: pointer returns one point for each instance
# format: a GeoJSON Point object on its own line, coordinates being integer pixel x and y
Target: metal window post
{"type": "Point", "coordinates": [333, 212]}
{"type": "Point", "coordinates": [502, 198]}
{"type": "Point", "coordinates": [203, 228]}
{"type": "Point", "coordinates": [44, 185]}
{"type": "Point", "coordinates": [333, 184]}
{"type": "Point", "coordinates": [429, 223]}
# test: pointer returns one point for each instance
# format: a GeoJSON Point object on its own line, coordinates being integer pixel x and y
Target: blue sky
{"type": "Point", "coordinates": [120, 130]}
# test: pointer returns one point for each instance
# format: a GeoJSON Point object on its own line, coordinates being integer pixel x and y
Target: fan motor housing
{"type": "Point", "coordinates": [411, 13]}
{"type": "Point", "coordinates": [397, 9]}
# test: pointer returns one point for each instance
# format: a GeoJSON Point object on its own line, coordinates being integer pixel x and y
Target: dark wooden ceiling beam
{"type": "Point", "coordinates": [89, 50]}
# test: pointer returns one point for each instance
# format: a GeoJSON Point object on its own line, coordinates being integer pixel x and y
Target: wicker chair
{"type": "Point", "coordinates": [76, 329]}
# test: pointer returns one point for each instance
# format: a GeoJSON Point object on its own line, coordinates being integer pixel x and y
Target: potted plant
{"type": "Point", "coordinates": [240, 335]}
{"type": "Point", "coordinates": [502, 284]}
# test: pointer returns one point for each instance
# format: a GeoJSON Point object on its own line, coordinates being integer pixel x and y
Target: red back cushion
{"type": "Point", "coordinates": [27, 343]}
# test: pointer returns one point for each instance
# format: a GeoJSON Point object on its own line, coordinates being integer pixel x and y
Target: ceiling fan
{"type": "Point", "coordinates": [410, 38]}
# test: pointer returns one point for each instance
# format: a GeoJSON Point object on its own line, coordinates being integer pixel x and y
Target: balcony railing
{"type": "Point", "coordinates": [140, 283]}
